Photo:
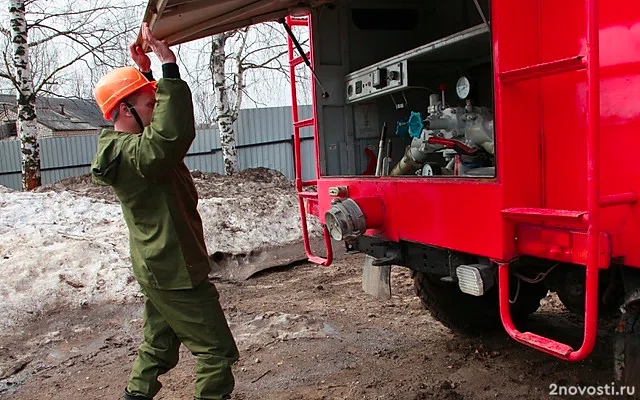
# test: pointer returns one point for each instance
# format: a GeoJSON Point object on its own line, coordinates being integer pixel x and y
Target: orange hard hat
{"type": "Point", "coordinates": [118, 85]}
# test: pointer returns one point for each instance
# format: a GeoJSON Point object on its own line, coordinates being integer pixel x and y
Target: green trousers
{"type": "Point", "coordinates": [194, 318]}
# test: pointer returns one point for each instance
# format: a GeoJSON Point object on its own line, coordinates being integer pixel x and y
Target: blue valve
{"type": "Point", "coordinates": [411, 126]}
{"type": "Point", "coordinates": [414, 124]}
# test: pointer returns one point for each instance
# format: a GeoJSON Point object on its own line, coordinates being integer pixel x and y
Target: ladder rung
{"type": "Point", "coordinates": [304, 21]}
{"type": "Point", "coordinates": [542, 213]}
{"type": "Point", "coordinates": [308, 195]}
{"type": "Point", "coordinates": [299, 60]}
{"type": "Point", "coordinates": [317, 260]}
{"type": "Point", "coordinates": [303, 123]}
{"type": "Point", "coordinates": [541, 343]}
{"type": "Point", "coordinates": [618, 199]}
{"type": "Point", "coordinates": [545, 69]}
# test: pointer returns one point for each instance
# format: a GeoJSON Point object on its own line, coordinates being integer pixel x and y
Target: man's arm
{"type": "Point", "coordinates": [165, 142]}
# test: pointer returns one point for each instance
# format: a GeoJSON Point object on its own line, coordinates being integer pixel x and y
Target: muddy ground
{"type": "Point", "coordinates": [305, 332]}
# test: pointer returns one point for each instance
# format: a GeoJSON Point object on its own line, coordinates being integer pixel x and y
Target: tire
{"type": "Point", "coordinates": [627, 352]}
{"type": "Point", "coordinates": [469, 314]}
{"type": "Point", "coordinates": [571, 292]}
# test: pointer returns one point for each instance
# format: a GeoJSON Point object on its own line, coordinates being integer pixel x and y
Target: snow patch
{"type": "Point", "coordinates": [66, 245]}
{"type": "Point", "coordinates": [60, 250]}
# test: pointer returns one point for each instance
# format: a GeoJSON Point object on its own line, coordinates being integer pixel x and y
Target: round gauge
{"type": "Point", "coordinates": [431, 169]}
{"type": "Point", "coordinates": [463, 87]}
{"type": "Point", "coordinates": [427, 170]}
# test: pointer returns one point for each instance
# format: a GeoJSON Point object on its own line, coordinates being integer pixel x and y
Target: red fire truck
{"type": "Point", "coordinates": [477, 142]}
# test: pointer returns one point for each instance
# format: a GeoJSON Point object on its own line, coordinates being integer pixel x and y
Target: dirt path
{"type": "Point", "coordinates": [304, 332]}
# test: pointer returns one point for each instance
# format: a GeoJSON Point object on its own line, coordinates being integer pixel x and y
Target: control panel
{"type": "Point", "coordinates": [391, 75]}
{"type": "Point", "coordinates": [376, 81]}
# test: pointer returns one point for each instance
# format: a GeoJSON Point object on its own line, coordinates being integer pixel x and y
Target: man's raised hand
{"type": "Point", "coordinates": [141, 59]}
{"type": "Point", "coordinates": [160, 48]}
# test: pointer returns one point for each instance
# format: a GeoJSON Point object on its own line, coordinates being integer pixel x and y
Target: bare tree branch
{"type": "Point", "coordinates": [68, 14]}
{"type": "Point", "coordinates": [71, 62]}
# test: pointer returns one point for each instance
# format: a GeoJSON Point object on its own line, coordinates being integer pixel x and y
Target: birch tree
{"type": "Point", "coordinates": [41, 44]}
{"type": "Point", "coordinates": [225, 113]}
{"type": "Point", "coordinates": [26, 124]}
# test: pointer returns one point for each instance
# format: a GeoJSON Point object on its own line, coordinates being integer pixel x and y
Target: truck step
{"type": "Point", "coordinates": [308, 195]}
{"type": "Point", "coordinates": [547, 345]}
{"type": "Point", "coordinates": [529, 213]}
{"type": "Point", "coordinates": [576, 63]}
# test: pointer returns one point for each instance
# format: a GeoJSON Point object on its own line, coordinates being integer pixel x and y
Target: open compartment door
{"type": "Point", "coordinates": [181, 21]}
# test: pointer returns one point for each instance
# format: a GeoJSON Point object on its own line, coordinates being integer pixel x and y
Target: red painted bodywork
{"type": "Point", "coordinates": [541, 138]}
{"type": "Point", "coordinates": [567, 105]}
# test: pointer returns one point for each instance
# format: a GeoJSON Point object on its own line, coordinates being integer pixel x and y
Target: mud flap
{"type": "Point", "coordinates": [376, 280]}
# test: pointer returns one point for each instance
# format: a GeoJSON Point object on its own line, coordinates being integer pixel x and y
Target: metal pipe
{"type": "Point", "coordinates": [383, 135]}
{"type": "Point", "coordinates": [438, 123]}
{"type": "Point", "coordinates": [484, 19]}
{"type": "Point", "coordinates": [406, 166]}
{"type": "Point", "coordinates": [593, 183]}
{"type": "Point", "coordinates": [618, 199]}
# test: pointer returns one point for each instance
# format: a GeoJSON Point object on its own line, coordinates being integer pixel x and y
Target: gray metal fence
{"type": "Point", "coordinates": [263, 137]}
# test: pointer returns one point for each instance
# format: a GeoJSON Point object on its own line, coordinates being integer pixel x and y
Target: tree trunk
{"type": "Point", "coordinates": [224, 114]}
{"type": "Point", "coordinates": [27, 122]}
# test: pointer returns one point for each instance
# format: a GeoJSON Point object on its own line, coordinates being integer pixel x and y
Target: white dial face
{"type": "Point", "coordinates": [463, 87]}
{"type": "Point", "coordinates": [427, 170]}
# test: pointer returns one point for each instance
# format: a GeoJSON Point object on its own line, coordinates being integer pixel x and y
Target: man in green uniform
{"type": "Point", "coordinates": [142, 158]}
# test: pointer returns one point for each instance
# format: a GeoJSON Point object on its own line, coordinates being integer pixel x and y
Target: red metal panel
{"type": "Point", "coordinates": [517, 109]}
{"type": "Point", "coordinates": [564, 115]}
{"type": "Point", "coordinates": [440, 211]}
{"type": "Point", "coordinates": [620, 120]}
{"type": "Point", "coordinates": [564, 125]}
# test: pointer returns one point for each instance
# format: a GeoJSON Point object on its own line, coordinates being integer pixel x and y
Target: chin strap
{"type": "Point", "coordinates": [134, 113]}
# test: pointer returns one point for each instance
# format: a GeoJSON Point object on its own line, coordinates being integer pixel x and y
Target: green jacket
{"type": "Point", "coordinates": [156, 192]}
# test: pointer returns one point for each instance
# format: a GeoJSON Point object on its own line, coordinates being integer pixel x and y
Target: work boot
{"type": "Point", "coordinates": [129, 396]}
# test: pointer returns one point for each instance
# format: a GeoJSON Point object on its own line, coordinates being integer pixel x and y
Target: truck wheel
{"type": "Point", "coordinates": [571, 291]}
{"type": "Point", "coordinates": [468, 314]}
{"type": "Point", "coordinates": [627, 351]}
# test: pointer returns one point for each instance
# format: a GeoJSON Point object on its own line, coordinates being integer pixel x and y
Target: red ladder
{"type": "Point", "coordinates": [589, 217]}
{"type": "Point", "coordinates": [311, 198]}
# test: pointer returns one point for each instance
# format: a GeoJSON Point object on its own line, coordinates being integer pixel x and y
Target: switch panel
{"type": "Point", "coordinates": [379, 79]}
{"type": "Point", "coordinates": [373, 82]}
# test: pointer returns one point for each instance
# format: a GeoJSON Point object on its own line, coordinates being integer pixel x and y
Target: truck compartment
{"type": "Point", "coordinates": [423, 69]}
